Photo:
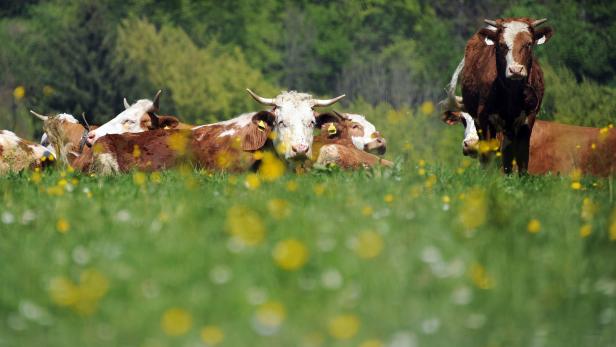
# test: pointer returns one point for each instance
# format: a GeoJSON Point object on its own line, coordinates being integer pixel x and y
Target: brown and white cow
{"type": "Point", "coordinates": [557, 148]}
{"type": "Point", "coordinates": [138, 117]}
{"type": "Point", "coordinates": [502, 84]}
{"type": "Point", "coordinates": [17, 154]}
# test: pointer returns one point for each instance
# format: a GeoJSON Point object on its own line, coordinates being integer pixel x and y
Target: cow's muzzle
{"type": "Point", "coordinates": [378, 146]}
{"type": "Point", "coordinates": [470, 148]}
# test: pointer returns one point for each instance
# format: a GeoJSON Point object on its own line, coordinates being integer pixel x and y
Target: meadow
{"type": "Point", "coordinates": [438, 251]}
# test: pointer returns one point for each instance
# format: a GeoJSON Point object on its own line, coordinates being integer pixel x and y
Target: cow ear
{"type": "Point", "coordinates": [451, 117]}
{"type": "Point", "coordinates": [257, 132]}
{"type": "Point", "coordinates": [329, 117]}
{"type": "Point", "coordinates": [168, 122]}
{"type": "Point", "coordinates": [542, 35]}
{"type": "Point", "coordinates": [489, 35]}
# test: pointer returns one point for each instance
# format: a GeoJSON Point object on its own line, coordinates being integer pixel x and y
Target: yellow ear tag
{"type": "Point", "coordinates": [261, 125]}
{"type": "Point", "coordinates": [331, 129]}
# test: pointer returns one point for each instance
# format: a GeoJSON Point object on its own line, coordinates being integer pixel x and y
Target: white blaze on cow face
{"type": "Point", "coordinates": [471, 137]}
{"type": "Point", "coordinates": [514, 36]}
{"type": "Point", "coordinates": [364, 135]}
{"type": "Point", "coordinates": [294, 125]}
{"type": "Point", "coordinates": [134, 119]}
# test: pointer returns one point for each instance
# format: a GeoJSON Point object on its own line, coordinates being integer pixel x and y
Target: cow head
{"type": "Point", "coordinates": [293, 121]}
{"type": "Point", "coordinates": [470, 144]}
{"type": "Point", "coordinates": [352, 127]}
{"type": "Point", "coordinates": [514, 39]}
{"type": "Point", "coordinates": [138, 117]}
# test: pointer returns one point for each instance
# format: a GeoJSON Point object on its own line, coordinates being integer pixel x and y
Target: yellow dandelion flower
{"type": "Point", "coordinates": [136, 151]}
{"type": "Point", "coordinates": [139, 178]}
{"type": "Point", "coordinates": [603, 134]}
{"type": "Point", "coordinates": [245, 225]}
{"type": "Point", "coordinates": [319, 189]}
{"type": "Point", "coordinates": [576, 174]}
{"type": "Point", "coordinates": [36, 177]}
{"type": "Point", "coordinates": [290, 254]}
{"type": "Point", "coordinates": [367, 211]}
{"type": "Point", "coordinates": [480, 277]}
{"type": "Point", "coordinates": [389, 198]}
{"type": "Point", "coordinates": [252, 181]}
{"type": "Point", "coordinates": [19, 93]}
{"type": "Point", "coordinates": [55, 191]}
{"type": "Point", "coordinates": [576, 185]}
{"type": "Point", "coordinates": [271, 167]}
{"type": "Point", "coordinates": [430, 181]}
{"type": "Point", "coordinates": [178, 141]}
{"type": "Point", "coordinates": [534, 226]}
{"type": "Point", "coordinates": [292, 186]}
{"type": "Point", "coordinates": [279, 208]}
{"type": "Point", "coordinates": [63, 291]}
{"type": "Point", "coordinates": [585, 230]}
{"type": "Point", "coordinates": [271, 314]}
{"type": "Point", "coordinates": [212, 335]}
{"type": "Point", "coordinates": [344, 327]}
{"type": "Point", "coordinates": [63, 225]}
{"type": "Point", "coordinates": [427, 108]}
{"type": "Point", "coordinates": [421, 171]}
{"type": "Point", "coordinates": [612, 229]}
{"type": "Point", "coordinates": [155, 177]}
{"type": "Point", "coordinates": [421, 163]}
{"type": "Point", "coordinates": [176, 322]}
{"type": "Point", "coordinates": [372, 343]}
{"type": "Point", "coordinates": [593, 146]}
{"type": "Point", "coordinates": [48, 90]}
{"type": "Point", "coordinates": [368, 244]}
{"type": "Point", "coordinates": [474, 213]}
{"type": "Point", "coordinates": [484, 147]}
{"type": "Point", "coordinates": [589, 208]}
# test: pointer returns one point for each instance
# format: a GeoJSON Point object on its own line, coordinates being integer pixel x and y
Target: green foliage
{"type": "Point", "coordinates": [580, 103]}
{"type": "Point", "coordinates": [204, 83]}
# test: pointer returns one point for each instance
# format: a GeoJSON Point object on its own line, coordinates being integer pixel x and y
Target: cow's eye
{"type": "Point", "coordinates": [312, 124]}
{"type": "Point", "coordinates": [128, 122]}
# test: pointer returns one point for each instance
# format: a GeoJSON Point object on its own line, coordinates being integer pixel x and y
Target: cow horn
{"type": "Point", "coordinates": [83, 116]}
{"type": "Point", "coordinates": [491, 22]}
{"type": "Point", "coordinates": [261, 100]}
{"type": "Point", "coordinates": [39, 116]}
{"type": "Point", "coordinates": [126, 104]}
{"type": "Point", "coordinates": [323, 103]}
{"type": "Point", "coordinates": [157, 100]}
{"type": "Point", "coordinates": [538, 22]}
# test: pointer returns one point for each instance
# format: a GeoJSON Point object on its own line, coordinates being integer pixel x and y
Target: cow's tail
{"type": "Point", "coordinates": [453, 102]}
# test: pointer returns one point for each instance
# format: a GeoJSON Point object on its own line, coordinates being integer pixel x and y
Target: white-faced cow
{"type": "Point", "coordinates": [138, 117]}
{"type": "Point", "coordinates": [17, 154]}
{"type": "Point", "coordinates": [502, 84]}
{"type": "Point", "coordinates": [556, 148]}
{"type": "Point", "coordinates": [287, 130]}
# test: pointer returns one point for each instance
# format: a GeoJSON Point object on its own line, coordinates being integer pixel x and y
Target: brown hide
{"type": "Point", "coordinates": [561, 148]}
{"type": "Point", "coordinates": [348, 157]}
{"type": "Point", "coordinates": [497, 103]}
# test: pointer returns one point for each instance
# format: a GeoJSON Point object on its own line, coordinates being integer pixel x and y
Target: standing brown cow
{"type": "Point", "coordinates": [502, 84]}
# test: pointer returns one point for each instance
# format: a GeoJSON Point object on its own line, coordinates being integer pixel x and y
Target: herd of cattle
{"type": "Point", "coordinates": [502, 90]}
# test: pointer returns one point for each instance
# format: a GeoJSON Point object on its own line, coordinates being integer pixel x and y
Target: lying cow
{"type": "Point", "coordinates": [17, 154]}
{"type": "Point", "coordinates": [73, 136]}
{"type": "Point", "coordinates": [227, 145]}
{"type": "Point", "coordinates": [554, 147]}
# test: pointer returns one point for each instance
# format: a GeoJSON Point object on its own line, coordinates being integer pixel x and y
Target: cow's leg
{"type": "Point", "coordinates": [484, 132]}
{"type": "Point", "coordinates": [507, 150]}
{"type": "Point", "coordinates": [522, 146]}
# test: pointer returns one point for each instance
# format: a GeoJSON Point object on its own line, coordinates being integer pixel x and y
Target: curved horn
{"type": "Point", "coordinates": [491, 22]}
{"type": "Point", "coordinates": [39, 116]}
{"type": "Point", "coordinates": [323, 103]}
{"type": "Point", "coordinates": [126, 104]}
{"type": "Point", "coordinates": [83, 116]}
{"type": "Point", "coordinates": [260, 99]}
{"type": "Point", "coordinates": [157, 99]}
{"type": "Point", "coordinates": [539, 22]}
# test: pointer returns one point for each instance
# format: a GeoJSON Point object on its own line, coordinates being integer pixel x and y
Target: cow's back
{"type": "Point", "coordinates": [561, 148]}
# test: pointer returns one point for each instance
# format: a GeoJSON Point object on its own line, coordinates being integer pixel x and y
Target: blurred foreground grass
{"type": "Point", "coordinates": [427, 256]}
{"type": "Point", "coordinates": [438, 252]}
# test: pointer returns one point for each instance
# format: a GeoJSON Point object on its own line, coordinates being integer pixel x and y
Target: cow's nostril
{"type": "Point", "coordinates": [300, 149]}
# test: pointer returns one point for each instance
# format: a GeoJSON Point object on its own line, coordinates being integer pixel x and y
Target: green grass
{"type": "Point", "coordinates": [457, 267]}
{"type": "Point", "coordinates": [436, 282]}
